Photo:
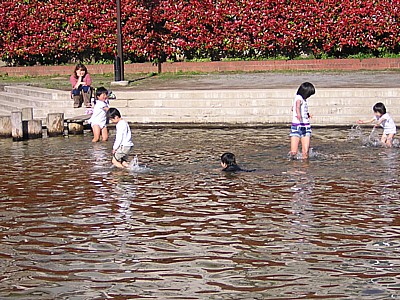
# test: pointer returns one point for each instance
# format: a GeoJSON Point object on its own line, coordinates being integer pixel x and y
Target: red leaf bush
{"type": "Point", "coordinates": [59, 31]}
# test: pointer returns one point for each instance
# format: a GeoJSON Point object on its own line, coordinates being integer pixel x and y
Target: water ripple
{"type": "Point", "coordinates": [72, 227]}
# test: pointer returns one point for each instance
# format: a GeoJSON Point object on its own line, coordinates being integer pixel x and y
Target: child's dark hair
{"type": "Point", "coordinates": [228, 159]}
{"type": "Point", "coordinates": [113, 112]}
{"type": "Point", "coordinates": [379, 108]}
{"type": "Point", "coordinates": [101, 90]}
{"type": "Point", "coordinates": [306, 90]}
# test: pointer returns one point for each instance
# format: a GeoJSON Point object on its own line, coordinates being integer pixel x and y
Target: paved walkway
{"type": "Point", "coordinates": [367, 79]}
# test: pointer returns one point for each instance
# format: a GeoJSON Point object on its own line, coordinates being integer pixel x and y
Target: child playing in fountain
{"type": "Point", "coordinates": [123, 139]}
{"type": "Point", "coordinates": [228, 163]}
{"type": "Point", "coordinates": [384, 120]}
{"type": "Point", "coordinates": [98, 120]}
{"type": "Point", "coordinates": [301, 128]}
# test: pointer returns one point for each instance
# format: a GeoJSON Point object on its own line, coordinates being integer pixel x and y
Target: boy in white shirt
{"type": "Point", "coordinates": [123, 139]}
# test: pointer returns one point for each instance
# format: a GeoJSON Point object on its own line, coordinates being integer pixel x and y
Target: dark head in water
{"type": "Point", "coordinates": [228, 162]}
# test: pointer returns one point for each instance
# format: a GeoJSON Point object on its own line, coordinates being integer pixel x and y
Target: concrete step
{"type": "Point", "coordinates": [329, 106]}
{"type": "Point", "coordinates": [9, 107]}
{"type": "Point", "coordinates": [239, 119]}
{"type": "Point", "coordinates": [37, 92]}
{"type": "Point", "coordinates": [251, 102]}
{"type": "Point", "coordinates": [257, 94]}
{"type": "Point", "coordinates": [42, 113]}
{"type": "Point", "coordinates": [4, 112]}
{"type": "Point", "coordinates": [250, 110]}
{"type": "Point", "coordinates": [19, 100]}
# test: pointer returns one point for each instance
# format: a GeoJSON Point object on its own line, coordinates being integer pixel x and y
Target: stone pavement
{"type": "Point", "coordinates": [267, 80]}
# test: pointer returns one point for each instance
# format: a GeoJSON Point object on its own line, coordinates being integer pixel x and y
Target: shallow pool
{"type": "Point", "coordinates": [73, 227]}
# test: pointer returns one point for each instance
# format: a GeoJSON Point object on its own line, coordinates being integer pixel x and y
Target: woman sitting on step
{"type": "Point", "coordinates": [81, 86]}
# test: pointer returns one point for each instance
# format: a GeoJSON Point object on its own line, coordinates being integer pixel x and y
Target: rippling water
{"type": "Point", "coordinates": [72, 227]}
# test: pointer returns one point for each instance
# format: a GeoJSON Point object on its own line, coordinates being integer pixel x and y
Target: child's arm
{"type": "Point", "coordinates": [380, 121]}
{"type": "Point", "coordinates": [298, 111]}
{"type": "Point", "coordinates": [366, 121]}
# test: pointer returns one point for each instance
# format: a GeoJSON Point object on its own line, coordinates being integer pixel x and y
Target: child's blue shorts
{"type": "Point", "coordinates": [300, 130]}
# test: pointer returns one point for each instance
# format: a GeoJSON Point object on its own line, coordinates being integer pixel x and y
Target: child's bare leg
{"type": "Point", "coordinates": [96, 133]}
{"type": "Point", "coordinates": [117, 163]}
{"type": "Point", "coordinates": [389, 140]}
{"type": "Point", "coordinates": [294, 145]}
{"type": "Point", "coordinates": [104, 134]}
{"type": "Point", "coordinates": [305, 146]}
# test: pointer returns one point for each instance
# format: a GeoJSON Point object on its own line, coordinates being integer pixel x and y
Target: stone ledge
{"type": "Point", "coordinates": [377, 64]}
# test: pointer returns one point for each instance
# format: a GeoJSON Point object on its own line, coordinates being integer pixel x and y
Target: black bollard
{"type": "Point", "coordinates": [117, 69]}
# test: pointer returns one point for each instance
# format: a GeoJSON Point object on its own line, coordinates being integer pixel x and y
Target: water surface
{"type": "Point", "coordinates": [73, 227]}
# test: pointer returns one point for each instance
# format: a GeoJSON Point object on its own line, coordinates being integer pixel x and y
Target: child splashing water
{"type": "Point", "coordinates": [384, 120]}
{"type": "Point", "coordinates": [123, 139]}
{"type": "Point", "coordinates": [300, 130]}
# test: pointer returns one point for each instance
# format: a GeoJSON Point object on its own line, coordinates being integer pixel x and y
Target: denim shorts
{"type": "Point", "coordinates": [300, 131]}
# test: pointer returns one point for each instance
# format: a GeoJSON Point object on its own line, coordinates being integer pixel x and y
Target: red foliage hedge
{"type": "Point", "coordinates": [56, 31]}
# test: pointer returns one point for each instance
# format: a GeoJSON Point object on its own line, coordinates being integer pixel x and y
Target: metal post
{"type": "Point", "coordinates": [120, 53]}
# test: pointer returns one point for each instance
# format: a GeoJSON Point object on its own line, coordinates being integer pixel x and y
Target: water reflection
{"type": "Point", "coordinates": [73, 227]}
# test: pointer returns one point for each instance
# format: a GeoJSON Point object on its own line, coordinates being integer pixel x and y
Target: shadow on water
{"type": "Point", "coordinates": [73, 227]}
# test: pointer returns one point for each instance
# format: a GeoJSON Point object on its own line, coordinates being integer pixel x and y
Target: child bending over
{"type": "Point", "coordinates": [123, 139]}
{"type": "Point", "coordinates": [384, 120]}
{"type": "Point", "coordinates": [300, 131]}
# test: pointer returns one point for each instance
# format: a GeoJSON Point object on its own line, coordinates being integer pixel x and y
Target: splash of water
{"type": "Point", "coordinates": [372, 139]}
{"type": "Point", "coordinates": [357, 134]}
{"type": "Point", "coordinates": [136, 168]}
{"type": "Point", "coordinates": [299, 156]}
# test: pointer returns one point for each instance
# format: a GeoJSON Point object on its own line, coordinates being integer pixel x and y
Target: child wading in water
{"type": "Point", "coordinates": [228, 163]}
{"type": "Point", "coordinates": [384, 120]}
{"type": "Point", "coordinates": [123, 139]}
{"type": "Point", "coordinates": [98, 120]}
{"type": "Point", "coordinates": [301, 128]}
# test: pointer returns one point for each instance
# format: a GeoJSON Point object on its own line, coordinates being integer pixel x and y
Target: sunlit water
{"type": "Point", "coordinates": [176, 227]}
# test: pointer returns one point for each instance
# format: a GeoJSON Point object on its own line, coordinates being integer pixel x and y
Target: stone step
{"type": "Point", "coordinates": [357, 111]}
{"type": "Point", "coordinates": [4, 112]}
{"type": "Point", "coordinates": [42, 113]}
{"type": "Point", "coordinates": [329, 106]}
{"type": "Point", "coordinates": [9, 107]}
{"type": "Point", "coordinates": [37, 92]}
{"type": "Point", "coordinates": [257, 94]}
{"type": "Point", "coordinates": [347, 120]}
{"type": "Point", "coordinates": [39, 112]}
{"type": "Point", "coordinates": [240, 103]}
{"type": "Point", "coordinates": [19, 100]}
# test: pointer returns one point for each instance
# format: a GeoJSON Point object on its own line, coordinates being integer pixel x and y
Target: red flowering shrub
{"type": "Point", "coordinates": [57, 31]}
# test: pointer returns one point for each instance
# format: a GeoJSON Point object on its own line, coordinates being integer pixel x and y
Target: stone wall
{"type": "Point", "coordinates": [221, 66]}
